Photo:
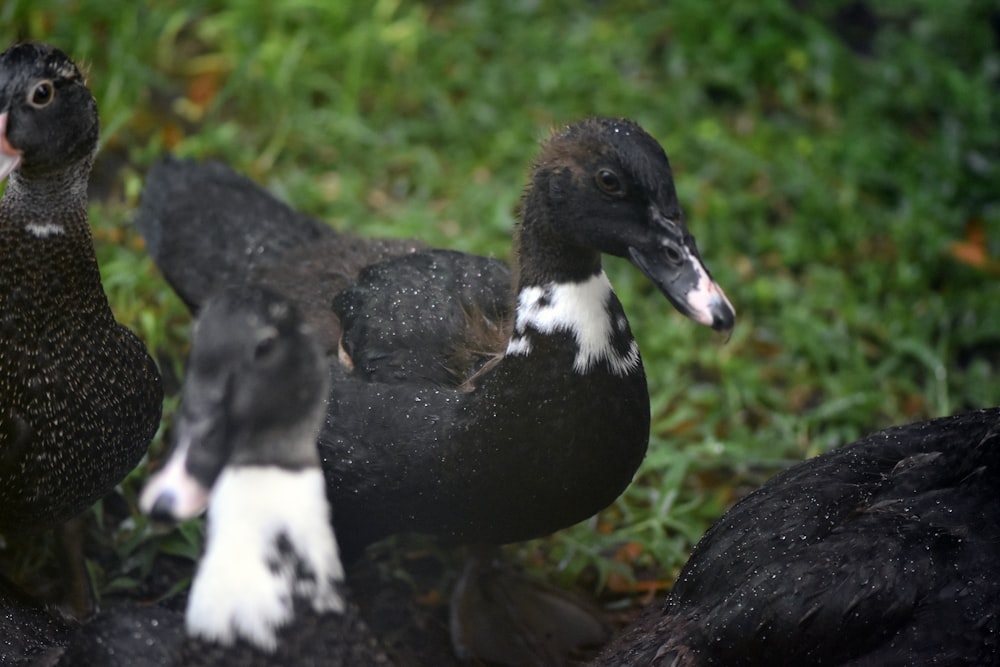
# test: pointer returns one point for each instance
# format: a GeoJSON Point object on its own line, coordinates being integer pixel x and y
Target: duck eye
{"type": "Point", "coordinates": [265, 347]}
{"type": "Point", "coordinates": [608, 181]}
{"type": "Point", "coordinates": [42, 94]}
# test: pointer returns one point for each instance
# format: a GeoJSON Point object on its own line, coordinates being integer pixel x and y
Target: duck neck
{"type": "Point", "coordinates": [544, 252]}
{"type": "Point", "coordinates": [562, 289]}
{"type": "Point", "coordinates": [266, 553]}
{"type": "Point", "coordinates": [47, 205]}
{"type": "Point", "coordinates": [45, 238]}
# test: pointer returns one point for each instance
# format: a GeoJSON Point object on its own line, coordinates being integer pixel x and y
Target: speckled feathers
{"type": "Point", "coordinates": [80, 397]}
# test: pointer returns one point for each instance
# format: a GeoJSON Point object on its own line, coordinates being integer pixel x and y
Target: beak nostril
{"type": "Point", "coordinates": [163, 508]}
{"type": "Point", "coordinates": [674, 255]}
{"type": "Point", "coordinates": [723, 320]}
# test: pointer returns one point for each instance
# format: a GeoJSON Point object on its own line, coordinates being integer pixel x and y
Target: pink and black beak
{"type": "Point", "coordinates": [669, 257]}
{"type": "Point", "coordinates": [10, 157]}
{"type": "Point", "coordinates": [181, 488]}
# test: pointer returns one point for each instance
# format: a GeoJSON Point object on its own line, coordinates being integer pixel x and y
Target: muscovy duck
{"type": "Point", "coordinates": [883, 552]}
{"type": "Point", "coordinates": [80, 397]}
{"type": "Point", "coordinates": [536, 433]}
{"type": "Point", "coordinates": [269, 589]}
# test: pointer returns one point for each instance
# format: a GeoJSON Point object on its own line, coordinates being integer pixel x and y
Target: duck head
{"type": "Point", "coordinates": [606, 185]}
{"type": "Point", "coordinates": [42, 127]}
{"type": "Point", "coordinates": [255, 377]}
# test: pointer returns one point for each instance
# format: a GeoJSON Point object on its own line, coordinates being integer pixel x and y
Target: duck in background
{"type": "Point", "coordinates": [883, 552]}
{"type": "Point", "coordinates": [534, 434]}
{"type": "Point", "coordinates": [80, 397]}
{"type": "Point", "coordinates": [474, 403]}
{"type": "Point", "coordinates": [269, 588]}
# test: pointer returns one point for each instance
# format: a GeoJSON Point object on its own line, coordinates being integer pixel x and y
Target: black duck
{"type": "Point", "coordinates": [515, 441]}
{"type": "Point", "coordinates": [80, 397]}
{"type": "Point", "coordinates": [884, 552]}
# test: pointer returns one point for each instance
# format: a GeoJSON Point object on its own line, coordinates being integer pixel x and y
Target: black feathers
{"type": "Point", "coordinates": [884, 552]}
{"type": "Point", "coordinates": [438, 420]}
{"type": "Point", "coordinates": [80, 395]}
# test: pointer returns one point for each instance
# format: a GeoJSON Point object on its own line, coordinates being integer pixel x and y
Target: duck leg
{"type": "Point", "coordinates": [504, 617]}
{"type": "Point", "coordinates": [77, 594]}
{"type": "Point", "coordinates": [50, 566]}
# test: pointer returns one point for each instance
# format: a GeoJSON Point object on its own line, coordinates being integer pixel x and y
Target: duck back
{"type": "Point", "coordinates": [885, 552]}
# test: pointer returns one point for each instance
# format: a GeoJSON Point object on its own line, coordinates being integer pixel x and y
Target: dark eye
{"type": "Point", "coordinates": [265, 347]}
{"type": "Point", "coordinates": [41, 94]}
{"type": "Point", "coordinates": [608, 181]}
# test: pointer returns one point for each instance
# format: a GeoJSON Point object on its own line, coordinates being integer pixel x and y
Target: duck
{"type": "Point", "coordinates": [538, 428]}
{"type": "Point", "coordinates": [472, 401]}
{"type": "Point", "coordinates": [81, 396]}
{"type": "Point", "coordinates": [883, 552]}
{"type": "Point", "coordinates": [269, 588]}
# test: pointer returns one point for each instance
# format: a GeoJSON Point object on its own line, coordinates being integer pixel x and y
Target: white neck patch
{"type": "Point", "coordinates": [238, 592]}
{"type": "Point", "coordinates": [580, 308]}
{"type": "Point", "coordinates": [44, 230]}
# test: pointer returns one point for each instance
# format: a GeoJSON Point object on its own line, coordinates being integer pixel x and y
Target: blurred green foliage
{"type": "Point", "coordinates": [838, 162]}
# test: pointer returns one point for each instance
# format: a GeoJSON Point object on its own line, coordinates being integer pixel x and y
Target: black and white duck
{"type": "Point", "coordinates": [884, 552]}
{"type": "Point", "coordinates": [80, 397]}
{"type": "Point", "coordinates": [269, 588]}
{"type": "Point", "coordinates": [474, 403]}
{"type": "Point", "coordinates": [533, 433]}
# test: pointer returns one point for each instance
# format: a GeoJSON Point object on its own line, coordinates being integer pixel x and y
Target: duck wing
{"type": "Point", "coordinates": [450, 314]}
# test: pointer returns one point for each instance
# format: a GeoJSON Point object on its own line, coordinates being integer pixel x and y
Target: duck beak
{"type": "Point", "coordinates": [180, 489]}
{"type": "Point", "coordinates": [173, 493]}
{"type": "Point", "coordinates": [10, 157]}
{"type": "Point", "coordinates": [670, 259]}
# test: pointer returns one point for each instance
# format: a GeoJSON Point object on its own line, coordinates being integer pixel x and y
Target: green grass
{"type": "Point", "coordinates": [827, 184]}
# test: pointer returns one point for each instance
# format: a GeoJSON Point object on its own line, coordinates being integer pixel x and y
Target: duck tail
{"type": "Point", "coordinates": [206, 226]}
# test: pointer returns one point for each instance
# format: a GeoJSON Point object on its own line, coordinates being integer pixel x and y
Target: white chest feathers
{"type": "Point", "coordinates": [581, 309]}
{"type": "Point", "coordinates": [44, 230]}
{"type": "Point", "coordinates": [269, 542]}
